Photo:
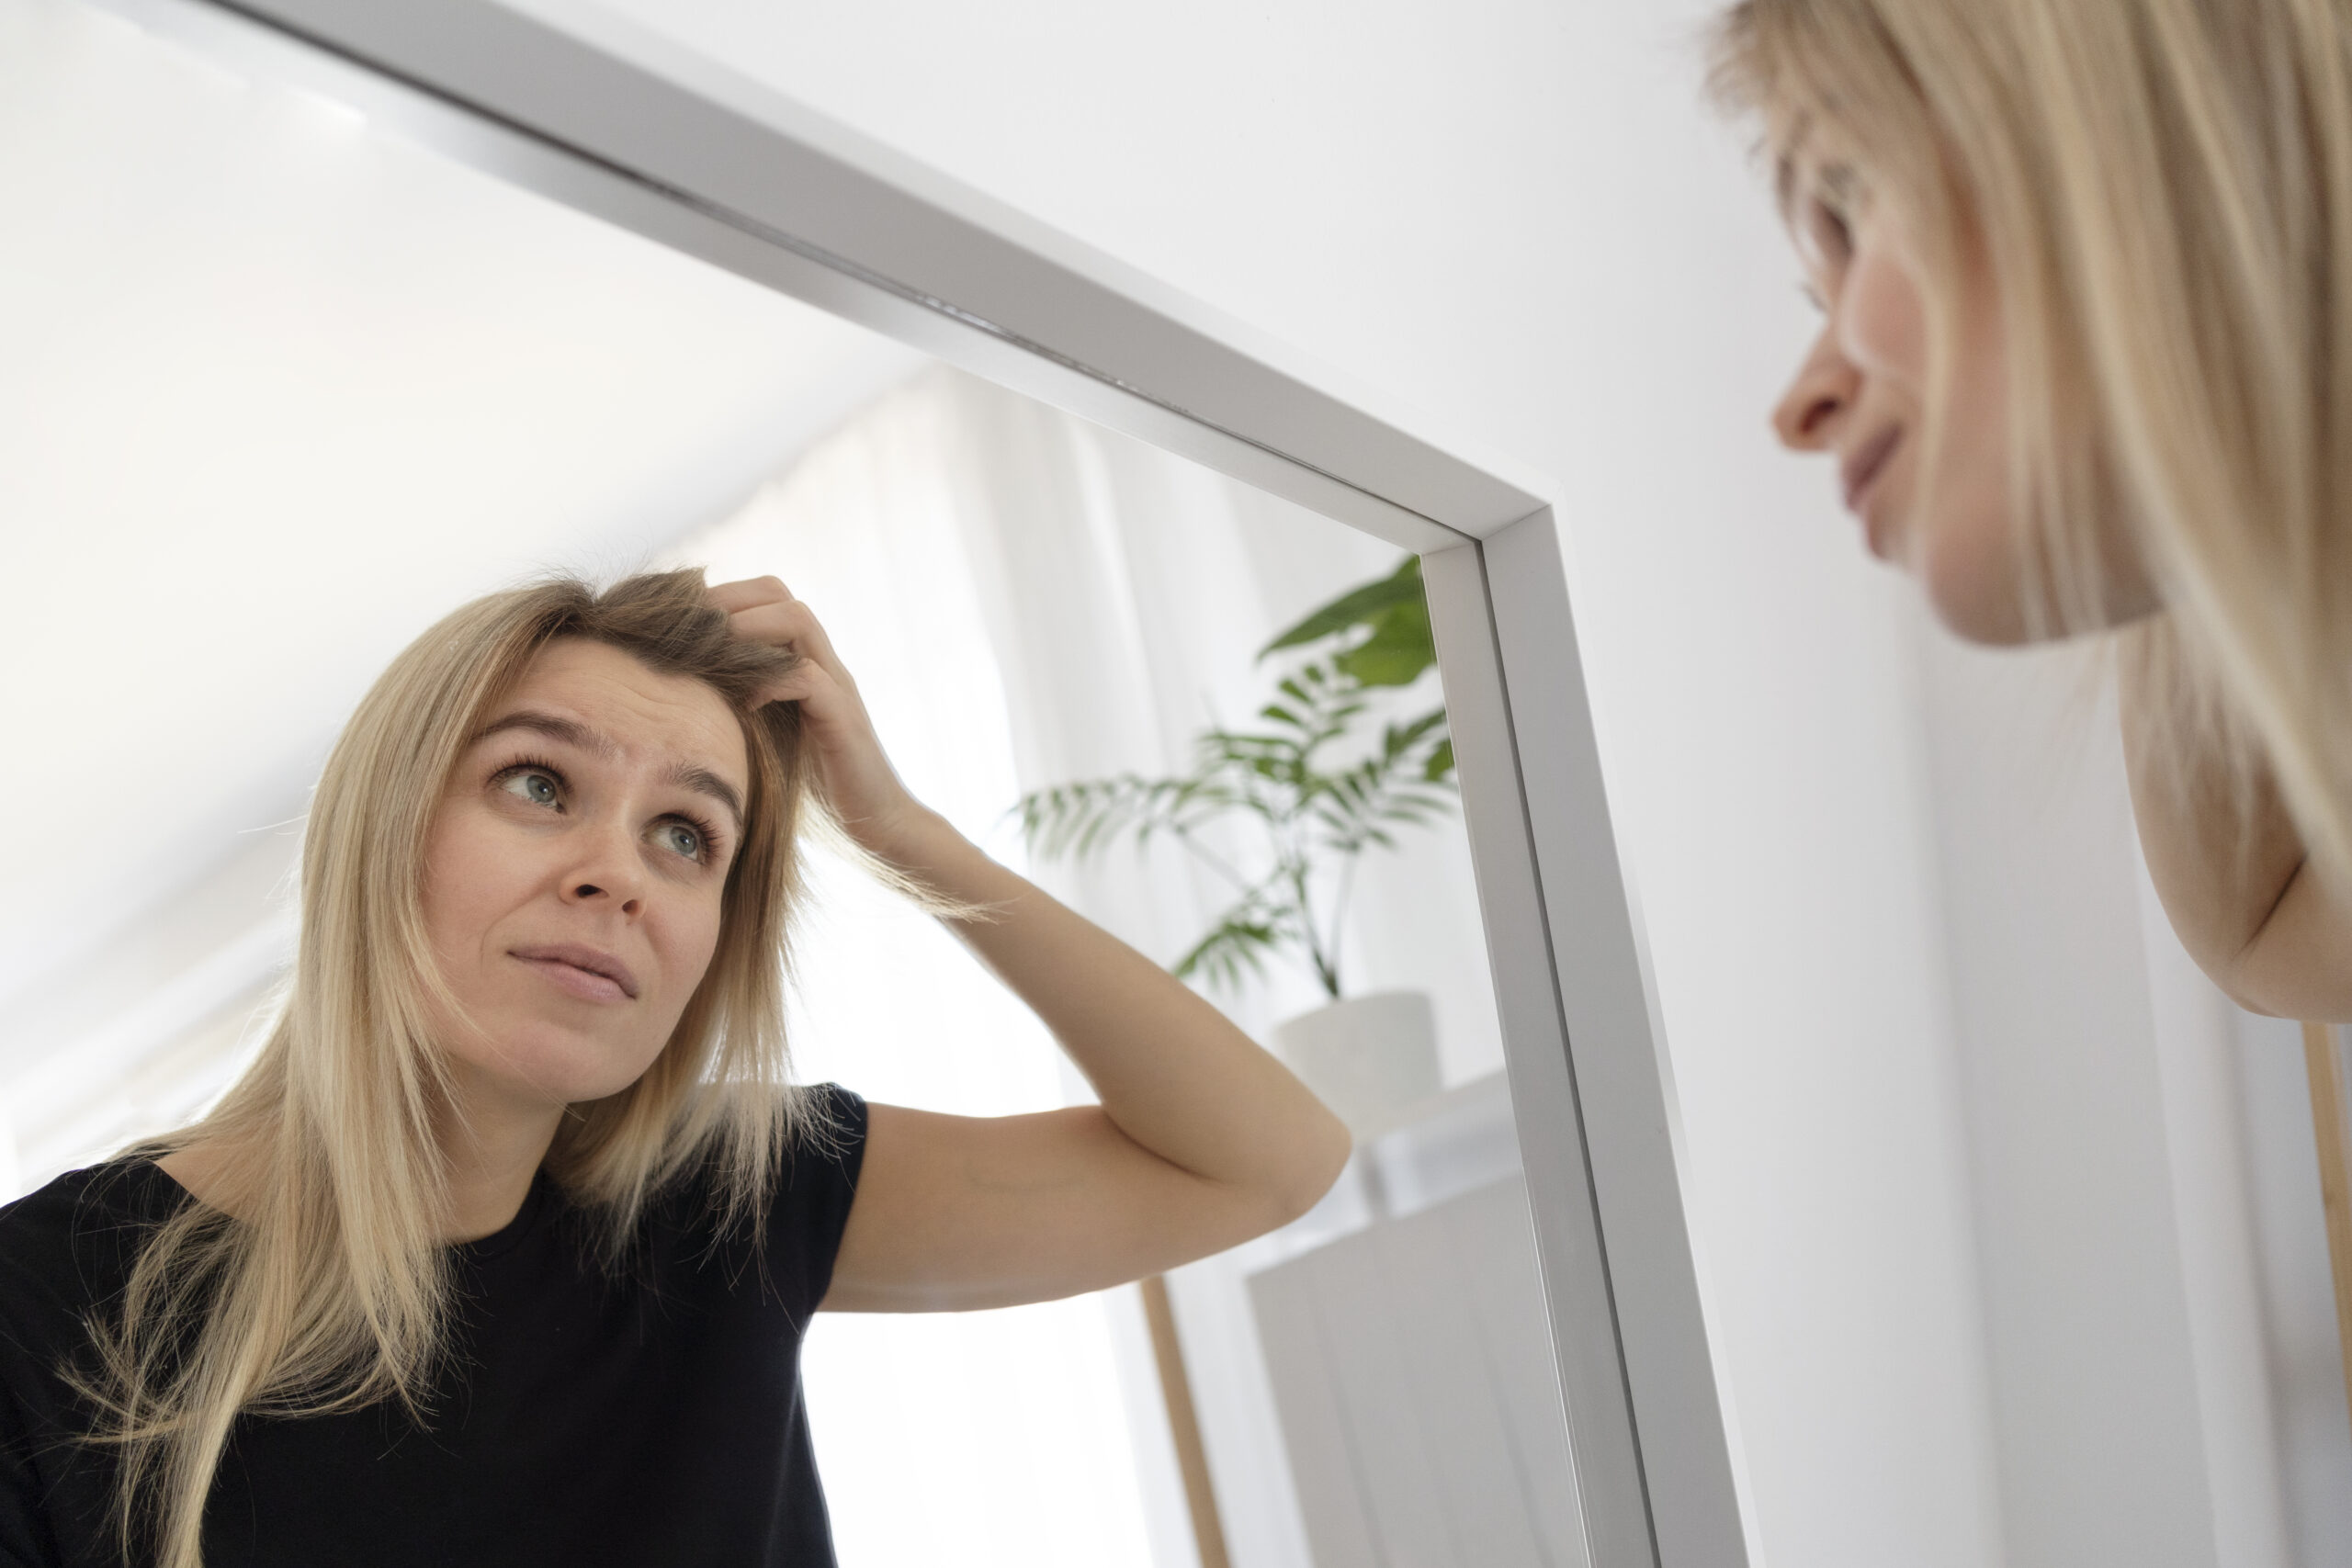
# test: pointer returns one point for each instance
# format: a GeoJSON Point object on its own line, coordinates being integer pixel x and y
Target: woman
{"type": "Point", "coordinates": [501, 1251]}
{"type": "Point", "coordinates": [2087, 364]}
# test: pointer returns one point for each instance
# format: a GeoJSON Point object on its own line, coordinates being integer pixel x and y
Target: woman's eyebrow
{"type": "Point", "coordinates": [572, 732]}
{"type": "Point", "coordinates": [555, 727]}
{"type": "Point", "coordinates": [702, 781]}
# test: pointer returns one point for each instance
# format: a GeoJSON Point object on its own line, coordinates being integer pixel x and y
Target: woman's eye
{"type": "Point", "coordinates": [680, 839]}
{"type": "Point", "coordinates": [533, 785]}
{"type": "Point", "coordinates": [1831, 234]}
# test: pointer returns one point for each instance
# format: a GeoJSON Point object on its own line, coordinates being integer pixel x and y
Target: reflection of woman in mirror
{"type": "Point", "coordinates": [501, 1251]}
{"type": "Point", "coordinates": [2086, 271]}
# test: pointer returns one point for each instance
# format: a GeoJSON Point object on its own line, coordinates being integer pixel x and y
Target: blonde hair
{"type": "Point", "coordinates": [2163, 191]}
{"type": "Point", "coordinates": [330, 1288]}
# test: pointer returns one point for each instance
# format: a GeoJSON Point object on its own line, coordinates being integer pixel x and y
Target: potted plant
{"type": "Point", "coordinates": [1329, 772]}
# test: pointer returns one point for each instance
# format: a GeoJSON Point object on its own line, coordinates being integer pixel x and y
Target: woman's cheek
{"type": "Point", "coordinates": [469, 876]}
{"type": "Point", "coordinates": [686, 951]}
{"type": "Point", "coordinates": [1965, 541]}
{"type": "Point", "coordinates": [1883, 318]}
{"type": "Point", "coordinates": [1975, 539]}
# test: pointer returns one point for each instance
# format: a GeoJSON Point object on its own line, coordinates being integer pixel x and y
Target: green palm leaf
{"type": "Point", "coordinates": [1312, 817]}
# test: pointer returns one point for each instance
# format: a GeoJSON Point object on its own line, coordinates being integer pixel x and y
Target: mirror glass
{"type": "Point", "coordinates": [280, 389]}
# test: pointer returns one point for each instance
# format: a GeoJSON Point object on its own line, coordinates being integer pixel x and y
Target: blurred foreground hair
{"type": "Point", "coordinates": [330, 1288]}
{"type": "Point", "coordinates": [2163, 190]}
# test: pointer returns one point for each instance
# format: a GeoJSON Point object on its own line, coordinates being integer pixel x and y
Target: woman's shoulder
{"type": "Point", "coordinates": [818, 1149]}
{"type": "Point", "coordinates": [68, 1247]}
{"type": "Point", "coordinates": [80, 1232]}
{"type": "Point", "coordinates": [826, 1137]}
{"type": "Point", "coordinates": [808, 1190]}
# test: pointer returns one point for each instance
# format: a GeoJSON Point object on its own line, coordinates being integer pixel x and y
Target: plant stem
{"type": "Point", "coordinates": [1339, 912]}
{"type": "Point", "coordinates": [1213, 862]}
{"type": "Point", "coordinates": [1327, 969]}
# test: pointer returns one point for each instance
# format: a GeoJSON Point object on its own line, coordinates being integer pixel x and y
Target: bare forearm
{"type": "Point", "coordinates": [1171, 1073]}
{"type": "Point", "coordinates": [2233, 880]}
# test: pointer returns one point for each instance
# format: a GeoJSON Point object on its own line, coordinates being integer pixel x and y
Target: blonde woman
{"type": "Point", "coordinates": [502, 1250]}
{"type": "Point", "coordinates": [2085, 271]}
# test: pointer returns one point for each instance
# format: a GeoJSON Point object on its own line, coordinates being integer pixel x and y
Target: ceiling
{"type": "Point", "coordinates": [276, 391]}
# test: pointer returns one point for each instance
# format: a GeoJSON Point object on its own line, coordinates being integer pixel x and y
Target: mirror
{"type": "Point", "coordinates": [290, 387]}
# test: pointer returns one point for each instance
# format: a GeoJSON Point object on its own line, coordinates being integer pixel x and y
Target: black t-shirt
{"type": "Point", "coordinates": [650, 1417]}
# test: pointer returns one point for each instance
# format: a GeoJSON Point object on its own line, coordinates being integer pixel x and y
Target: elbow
{"type": "Point", "coordinates": [1323, 1150]}
{"type": "Point", "coordinates": [2271, 990]}
{"type": "Point", "coordinates": [2248, 1000]}
{"type": "Point", "coordinates": [2252, 982]}
{"type": "Point", "coordinates": [2228, 974]}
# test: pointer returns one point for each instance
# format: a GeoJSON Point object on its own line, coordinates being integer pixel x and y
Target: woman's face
{"type": "Point", "coordinates": [573, 872]}
{"type": "Point", "coordinates": [1861, 395]}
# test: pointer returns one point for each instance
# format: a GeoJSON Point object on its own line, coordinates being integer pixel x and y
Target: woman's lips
{"type": "Point", "coordinates": [584, 972]}
{"type": "Point", "coordinates": [1865, 466]}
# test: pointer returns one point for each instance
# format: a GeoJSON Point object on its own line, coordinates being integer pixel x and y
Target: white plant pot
{"type": "Point", "coordinates": [1366, 1057]}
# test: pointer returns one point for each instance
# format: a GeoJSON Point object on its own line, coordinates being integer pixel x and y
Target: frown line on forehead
{"type": "Point", "coordinates": [572, 732]}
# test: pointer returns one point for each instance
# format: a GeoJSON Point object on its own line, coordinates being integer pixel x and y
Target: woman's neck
{"type": "Point", "coordinates": [493, 1143]}
{"type": "Point", "coordinates": [494, 1140]}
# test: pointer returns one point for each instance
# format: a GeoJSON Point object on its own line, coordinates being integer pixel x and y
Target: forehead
{"type": "Point", "coordinates": [649, 715]}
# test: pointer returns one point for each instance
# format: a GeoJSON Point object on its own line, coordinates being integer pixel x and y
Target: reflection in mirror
{"type": "Point", "coordinates": [285, 391]}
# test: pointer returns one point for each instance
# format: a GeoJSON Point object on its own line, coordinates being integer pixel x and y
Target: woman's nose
{"type": "Point", "coordinates": [609, 873]}
{"type": "Point", "coordinates": [1806, 419]}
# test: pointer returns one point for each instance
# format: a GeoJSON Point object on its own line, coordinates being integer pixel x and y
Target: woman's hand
{"type": "Point", "coordinates": [865, 793]}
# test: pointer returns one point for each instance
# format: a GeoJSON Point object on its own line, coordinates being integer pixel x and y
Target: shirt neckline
{"type": "Point", "coordinates": [497, 1243]}
{"type": "Point", "coordinates": [506, 1236]}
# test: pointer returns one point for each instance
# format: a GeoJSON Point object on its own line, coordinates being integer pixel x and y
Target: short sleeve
{"type": "Point", "coordinates": [810, 1208]}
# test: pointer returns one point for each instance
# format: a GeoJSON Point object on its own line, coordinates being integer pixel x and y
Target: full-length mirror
{"type": "Point", "coordinates": [285, 388]}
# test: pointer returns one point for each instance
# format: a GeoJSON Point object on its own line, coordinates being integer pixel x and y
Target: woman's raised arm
{"type": "Point", "coordinates": [1200, 1141]}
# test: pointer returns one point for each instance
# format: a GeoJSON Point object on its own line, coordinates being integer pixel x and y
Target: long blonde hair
{"type": "Point", "coordinates": [330, 1288]}
{"type": "Point", "coordinates": [2163, 190]}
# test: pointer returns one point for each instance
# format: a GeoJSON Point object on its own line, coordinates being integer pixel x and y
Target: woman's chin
{"type": "Point", "coordinates": [1974, 588]}
{"type": "Point", "coordinates": [555, 1067]}
{"type": "Point", "coordinates": [1990, 623]}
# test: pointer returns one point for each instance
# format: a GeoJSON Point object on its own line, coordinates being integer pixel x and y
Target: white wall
{"type": "Point", "coordinates": [1515, 212]}
{"type": "Point", "coordinates": [2109, 1366]}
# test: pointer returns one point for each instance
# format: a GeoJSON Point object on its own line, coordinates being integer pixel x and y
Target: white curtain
{"type": "Point", "coordinates": [1026, 600]}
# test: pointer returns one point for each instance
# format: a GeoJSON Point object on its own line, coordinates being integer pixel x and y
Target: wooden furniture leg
{"type": "Point", "coordinates": [1192, 1458]}
{"type": "Point", "coordinates": [2324, 1065]}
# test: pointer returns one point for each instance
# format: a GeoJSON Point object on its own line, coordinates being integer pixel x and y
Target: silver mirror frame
{"type": "Point", "coordinates": [590, 112]}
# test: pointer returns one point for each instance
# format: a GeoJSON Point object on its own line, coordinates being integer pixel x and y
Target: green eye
{"type": "Point", "coordinates": [530, 785]}
{"type": "Point", "coordinates": [681, 838]}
